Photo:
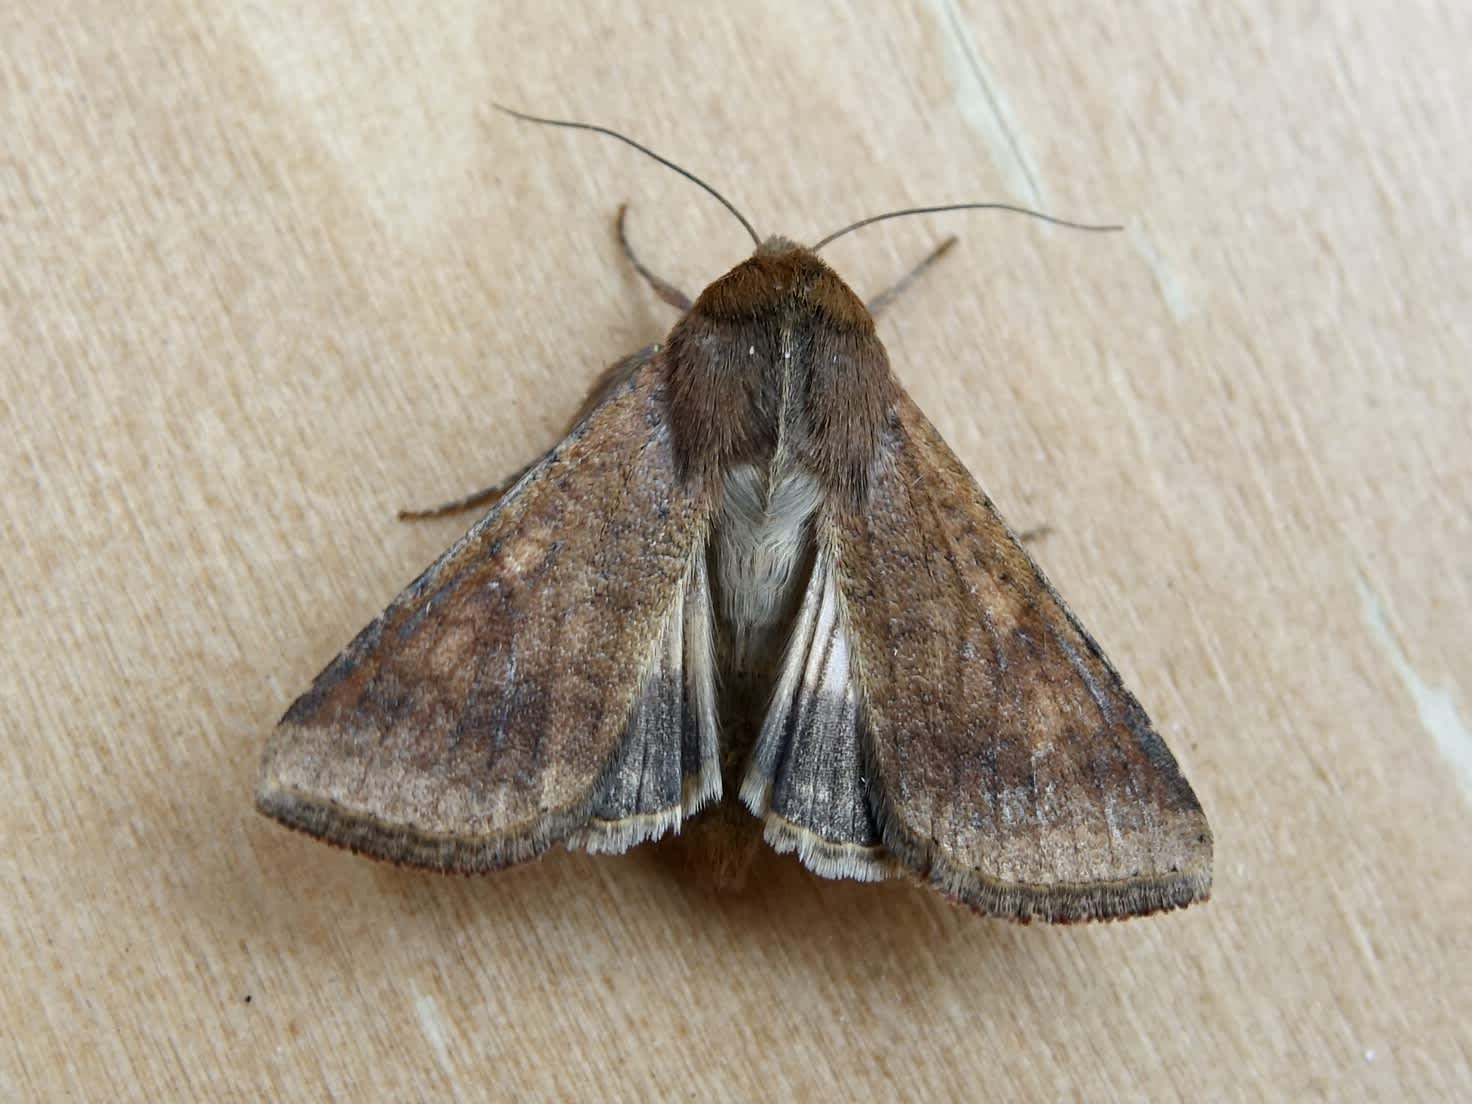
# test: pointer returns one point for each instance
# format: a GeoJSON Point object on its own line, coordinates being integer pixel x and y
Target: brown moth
{"type": "Point", "coordinates": [752, 580]}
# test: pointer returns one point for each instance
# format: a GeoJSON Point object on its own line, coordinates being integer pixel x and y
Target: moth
{"type": "Point", "coordinates": [754, 595]}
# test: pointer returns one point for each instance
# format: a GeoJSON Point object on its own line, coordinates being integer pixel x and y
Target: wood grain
{"type": "Point", "coordinates": [268, 278]}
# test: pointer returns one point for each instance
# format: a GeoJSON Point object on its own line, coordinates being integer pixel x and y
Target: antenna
{"type": "Point", "coordinates": [686, 173]}
{"type": "Point", "coordinates": [965, 207]}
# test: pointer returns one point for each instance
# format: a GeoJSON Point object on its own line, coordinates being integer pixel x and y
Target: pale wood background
{"type": "Point", "coordinates": [270, 272]}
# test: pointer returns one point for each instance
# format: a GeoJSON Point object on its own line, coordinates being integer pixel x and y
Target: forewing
{"type": "Point", "coordinates": [531, 686]}
{"type": "Point", "coordinates": [1010, 766]}
{"type": "Point", "coordinates": [667, 763]}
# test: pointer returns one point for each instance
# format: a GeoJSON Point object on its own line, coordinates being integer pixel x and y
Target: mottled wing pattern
{"type": "Point", "coordinates": [806, 778]}
{"type": "Point", "coordinates": [1011, 769]}
{"type": "Point", "coordinates": [547, 680]}
{"type": "Point", "coordinates": [668, 763]}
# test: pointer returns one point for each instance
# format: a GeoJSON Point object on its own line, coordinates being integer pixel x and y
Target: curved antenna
{"type": "Point", "coordinates": [690, 176]}
{"type": "Point", "coordinates": [965, 207]}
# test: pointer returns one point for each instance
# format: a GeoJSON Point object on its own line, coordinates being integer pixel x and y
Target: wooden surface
{"type": "Point", "coordinates": [269, 273]}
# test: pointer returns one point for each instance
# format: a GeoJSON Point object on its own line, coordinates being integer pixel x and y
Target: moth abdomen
{"type": "Point", "coordinates": [762, 551]}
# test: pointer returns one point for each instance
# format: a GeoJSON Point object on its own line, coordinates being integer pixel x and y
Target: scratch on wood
{"type": "Point", "coordinates": [1172, 288]}
{"type": "Point", "coordinates": [1434, 704]}
{"type": "Point", "coordinates": [982, 106]}
{"type": "Point", "coordinates": [434, 1030]}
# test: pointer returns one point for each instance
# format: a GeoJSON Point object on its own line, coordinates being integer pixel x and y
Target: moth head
{"type": "Point", "coordinates": [787, 281]}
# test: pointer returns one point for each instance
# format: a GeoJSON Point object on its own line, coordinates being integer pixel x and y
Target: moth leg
{"type": "Point", "coordinates": [893, 292]}
{"type": "Point", "coordinates": [607, 382]}
{"type": "Point", "coordinates": [1036, 533]}
{"type": "Point", "coordinates": [469, 502]}
{"type": "Point", "coordinates": [663, 288]}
